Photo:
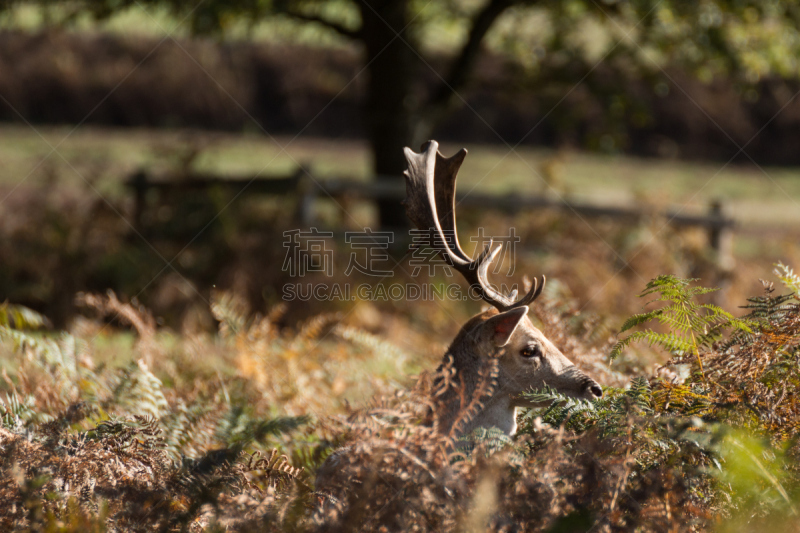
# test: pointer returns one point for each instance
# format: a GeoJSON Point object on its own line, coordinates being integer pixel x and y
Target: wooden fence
{"type": "Point", "coordinates": [306, 190]}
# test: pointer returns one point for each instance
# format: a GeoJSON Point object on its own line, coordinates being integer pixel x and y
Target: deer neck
{"type": "Point", "coordinates": [497, 413]}
{"type": "Point", "coordinates": [497, 410]}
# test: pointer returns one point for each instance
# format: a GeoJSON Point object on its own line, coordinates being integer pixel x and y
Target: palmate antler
{"type": "Point", "coordinates": [430, 204]}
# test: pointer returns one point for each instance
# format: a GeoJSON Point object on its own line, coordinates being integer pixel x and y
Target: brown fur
{"type": "Point", "coordinates": [476, 352]}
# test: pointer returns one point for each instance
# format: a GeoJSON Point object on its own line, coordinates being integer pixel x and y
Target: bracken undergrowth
{"type": "Point", "coordinates": [709, 441]}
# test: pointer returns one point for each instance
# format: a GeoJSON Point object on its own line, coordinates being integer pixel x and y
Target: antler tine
{"type": "Point", "coordinates": [481, 265]}
{"type": "Point", "coordinates": [430, 204]}
{"type": "Point", "coordinates": [536, 290]}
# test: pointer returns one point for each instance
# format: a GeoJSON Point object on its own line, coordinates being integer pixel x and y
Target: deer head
{"type": "Point", "coordinates": [525, 358]}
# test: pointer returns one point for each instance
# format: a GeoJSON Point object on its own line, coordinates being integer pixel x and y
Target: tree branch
{"type": "Point", "coordinates": [464, 63]}
{"type": "Point", "coordinates": [335, 26]}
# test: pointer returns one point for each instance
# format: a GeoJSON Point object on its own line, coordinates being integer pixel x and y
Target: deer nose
{"type": "Point", "coordinates": [592, 390]}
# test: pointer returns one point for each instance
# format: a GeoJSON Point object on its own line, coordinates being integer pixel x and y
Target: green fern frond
{"type": "Point", "coordinates": [310, 453]}
{"type": "Point", "coordinates": [673, 288]}
{"type": "Point", "coordinates": [238, 428]}
{"type": "Point", "coordinates": [558, 414]}
{"type": "Point", "coordinates": [561, 407]}
{"type": "Point", "coordinates": [372, 342]}
{"type": "Point", "coordinates": [640, 392]}
{"type": "Point", "coordinates": [187, 429]}
{"type": "Point", "coordinates": [692, 325]}
{"type": "Point", "coordinates": [17, 413]}
{"type": "Point", "coordinates": [666, 284]}
{"type": "Point", "coordinates": [788, 277]}
{"type": "Point", "coordinates": [492, 439]}
{"type": "Point", "coordinates": [139, 391]}
{"type": "Point", "coordinates": [231, 312]}
{"type": "Point", "coordinates": [668, 341]}
{"type": "Point", "coordinates": [20, 317]}
{"type": "Point", "coordinates": [544, 395]}
{"type": "Point", "coordinates": [23, 341]}
{"type": "Point", "coordinates": [640, 318]}
{"type": "Point", "coordinates": [676, 321]}
{"type": "Point", "coordinates": [57, 355]}
{"type": "Point", "coordinates": [277, 426]}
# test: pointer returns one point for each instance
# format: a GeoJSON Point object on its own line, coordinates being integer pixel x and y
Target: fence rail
{"type": "Point", "coordinates": [307, 190]}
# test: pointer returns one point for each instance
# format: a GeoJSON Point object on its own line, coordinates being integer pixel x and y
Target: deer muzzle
{"type": "Point", "coordinates": [583, 386]}
{"type": "Point", "coordinates": [592, 390]}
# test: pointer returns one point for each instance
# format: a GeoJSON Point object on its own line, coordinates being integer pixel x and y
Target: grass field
{"type": "Point", "coordinates": [768, 197]}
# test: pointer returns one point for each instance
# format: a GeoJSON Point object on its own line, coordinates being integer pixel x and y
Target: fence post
{"type": "Point", "coordinates": [139, 184]}
{"type": "Point", "coordinates": [720, 236]}
{"type": "Point", "coordinates": [307, 194]}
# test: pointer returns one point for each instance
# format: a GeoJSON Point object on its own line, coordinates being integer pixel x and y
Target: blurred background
{"type": "Point", "coordinates": [160, 149]}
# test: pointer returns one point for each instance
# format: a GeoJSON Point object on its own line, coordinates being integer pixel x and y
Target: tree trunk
{"type": "Point", "coordinates": [390, 65]}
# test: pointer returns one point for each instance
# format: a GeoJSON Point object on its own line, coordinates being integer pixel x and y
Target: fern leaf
{"type": "Point", "coordinates": [668, 341]}
{"type": "Point", "coordinates": [788, 277]}
{"type": "Point", "coordinates": [544, 395]}
{"type": "Point", "coordinates": [231, 312]}
{"type": "Point", "coordinates": [19, 317]}
{"type": "Point", "coordinates": [238, 428]}
{"type": "Point", "coordinates": [278, 426]}
{"type": "Point", "coordinates": [640, 392]}
{"type": "Point", "coordinates": [640, 318]}
{"type": "Point", "coordinates": [372, 342]}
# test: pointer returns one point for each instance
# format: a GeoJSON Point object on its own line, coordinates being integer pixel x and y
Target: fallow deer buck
{"type": "Point", "coordinates": [526, 359]}
{"type": "Point", "coordinates": [503, 339]}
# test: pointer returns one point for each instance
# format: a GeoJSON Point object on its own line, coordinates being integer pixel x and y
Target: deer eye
{"type": "Point", "coordinates": [529, 352]}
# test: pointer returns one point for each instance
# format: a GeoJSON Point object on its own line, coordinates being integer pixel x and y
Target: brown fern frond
{"type": "Point", "coordinates": [273, 470]}
{"type": "Point", "coordinates": [487, 382]}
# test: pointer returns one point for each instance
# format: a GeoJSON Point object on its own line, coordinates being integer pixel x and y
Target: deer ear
{"type": "Point", "coordinates": [500, 327]}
